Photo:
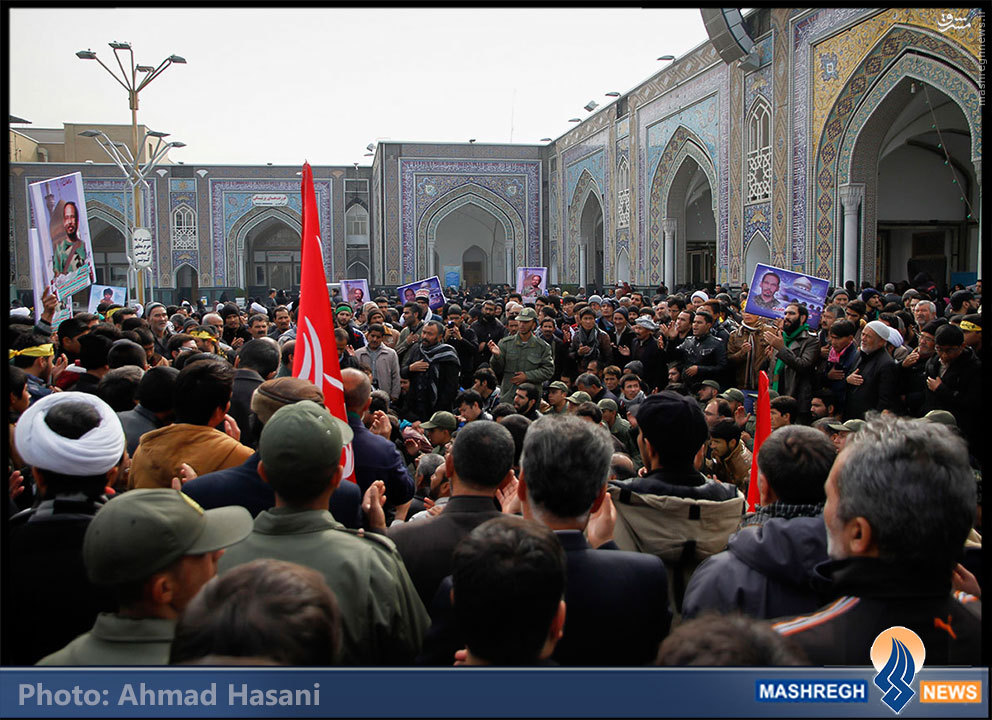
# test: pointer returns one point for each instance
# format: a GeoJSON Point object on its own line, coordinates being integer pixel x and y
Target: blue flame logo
{"type": "Point", "coordinates": [894, 678]}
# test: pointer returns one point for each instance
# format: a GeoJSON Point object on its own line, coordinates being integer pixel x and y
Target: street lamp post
{"type": "Point", "coordinates": [136, 177]}
{"type": "Point", "coordinates": [134, 85]}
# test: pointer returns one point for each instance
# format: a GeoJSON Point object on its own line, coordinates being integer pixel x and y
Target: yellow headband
{"type": "Point", "coordinates": [202, 335]}
{"type": "Point", "coordinates": [968, 326]}
{"type": "Point", "coordinates": [110, 313]}
{"type": "Point", "coordinates": [45, 350]}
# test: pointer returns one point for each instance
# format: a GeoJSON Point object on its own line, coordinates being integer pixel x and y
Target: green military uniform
{"type": "Point", "coordinates": [533, 358]}
{"type": "Point", "coordinates": [116, 640]}
{"type": "Point", "coordinates": [621, 431]}
{"type": "Point", "coordinates": [383, 620]}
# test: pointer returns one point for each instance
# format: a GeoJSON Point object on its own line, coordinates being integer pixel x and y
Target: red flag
{"type": "Point", "coordinates": [762, 429]}
{"type": "Point", "coordinates": [316, 356]}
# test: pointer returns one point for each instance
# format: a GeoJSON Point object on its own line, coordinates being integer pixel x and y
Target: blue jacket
{"type": "Point", "coordinates": [376, 458]}
{"type": "Point", "coordinates": [242, 485]}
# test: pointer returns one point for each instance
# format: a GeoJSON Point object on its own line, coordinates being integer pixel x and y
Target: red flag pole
{"type": "Point", "coordinates": [762, 429]}
{"type": "Point", "coordinates": [316, 356]}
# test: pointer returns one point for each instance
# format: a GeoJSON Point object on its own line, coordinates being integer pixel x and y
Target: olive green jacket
{"type": "Point", "coordinates": [533, 358]}
{"type": "Point", "coordinates": [383, 620]}
{"type": "Point", "coordinates": [116, 640]}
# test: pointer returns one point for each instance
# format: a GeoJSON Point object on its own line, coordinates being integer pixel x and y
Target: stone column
{"type": "Point", "coordinates": [978, 207]}
{"type": "Point", "coordinates": [582, 264]}
{"type": "Point", "coordinates": [851, 196]}
{"type": "Point", "coordinates": [670, 226]}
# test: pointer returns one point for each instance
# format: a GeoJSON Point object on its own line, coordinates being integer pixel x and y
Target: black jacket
{"type": "Point", "coordinates": [879, 391]}
{"type": "Point", "coordinates": [246, 381]}
{"type": "Point", "coordinates": [708, 354]}
{"type": "Point", "coordinates": [426, 545]}
{"type": "Point", "coordinates": [872, 595]}
{"type": "Point", "coordinates": [50, 598]}
{"type": "Point", "coordinates": [960, 393]}
{"type": "Point", "coordinates": [765, 572]}
{"type": "Point", "coordinates": [627, 589]}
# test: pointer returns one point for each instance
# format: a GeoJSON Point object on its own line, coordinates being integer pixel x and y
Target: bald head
{"type": "Point", "coordinates": [357, 389]}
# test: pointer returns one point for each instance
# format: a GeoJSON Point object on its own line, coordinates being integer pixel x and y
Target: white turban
{"type": "Point", "coordinates": [882, 330]}
{"type": "Point", "coordinates": [699, 294]}
{"type": "Point", "coordinates": [20, 312]}
{"type": "Point", "coordinates": [256, 308]}
{"type": "Point", "coordinates": [94, 453]}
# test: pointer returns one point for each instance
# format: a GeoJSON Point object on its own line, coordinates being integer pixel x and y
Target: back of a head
{"type": "Point", "coordinates": [261, 355]}
{"type": "Point", "coordinates": [119, 386]}
{"type": "Point", "coordinates": [266, 609]}
{"type": "Point", "coordinates": [94, 349]}
{"type": "Point", "coordinates": [913, 484]}
{"type": "Point", "coordinates": [717, 640]}
{"type": "Point", "coordinates": [72, 439]}
{"type": "Point", "coordinates": [565, 463]}
{"type": "Point", "coordinates": [125, 352]}
{"type": "Point", "coordinates": [157, 389]}
{"type": "Point", "coordinates": [357, 388]}
{"type": "Point", "coordinates": [482, 454]}
{"type": "Point", "coordinates": [202, 386]}
{"type": "Point", "coordinates": [517, 424]}
{"type": "Point", "coordinates": [674, 426]}
{"type": "Point", "coordinates": [426, 466]}
{"type": "Point", "coordinates": [796, 461]}
{"type": "Point", "coordinates": [508, 579]}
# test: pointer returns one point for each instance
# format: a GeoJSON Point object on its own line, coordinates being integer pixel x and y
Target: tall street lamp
{"type": "Point", "coordinates": [134, 84]}
{"type": "Point", "coordinates": [136, 176]}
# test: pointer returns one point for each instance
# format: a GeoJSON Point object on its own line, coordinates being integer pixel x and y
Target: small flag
{"type": "Point", "coordinates": [762, 429]}
{"type": "Point", "coordinates": [316, 356]}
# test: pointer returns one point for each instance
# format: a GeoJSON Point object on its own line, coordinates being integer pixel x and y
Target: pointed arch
{"type": "Point", "coordinates": [684, 144]}
{"type": "Point", "coordinates": [899, 53]}
{"type": "Point", "coordinates": [623, 194]}
{"type": "Point", "coordinates": [584, 187]}
{"type": "Point", "coordinates": [470, 193]}
{"type": "Point", "coordinates": [249, 221]}
{"type": "Point", "coordinates": [758, 151]}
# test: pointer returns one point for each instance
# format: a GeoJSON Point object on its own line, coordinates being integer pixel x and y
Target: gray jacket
{"type": "Point", "coordinates": [387, 368]}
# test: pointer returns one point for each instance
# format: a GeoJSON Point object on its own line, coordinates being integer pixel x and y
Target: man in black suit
{"type": "Point", "coordinates": [242, 485]}
{"type": "Point", "coordinates": [256, 362]}
{"type": "Point", "coordinates": [564, 469]}
{"type": "Point", "coordinates": [479, 463]}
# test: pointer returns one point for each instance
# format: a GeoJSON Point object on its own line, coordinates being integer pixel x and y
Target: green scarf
{"type": "Point", "coordinates": [788, 338]}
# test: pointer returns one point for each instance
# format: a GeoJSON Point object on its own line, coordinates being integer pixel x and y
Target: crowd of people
{"type": "Point", "coordinates": [556, 482]}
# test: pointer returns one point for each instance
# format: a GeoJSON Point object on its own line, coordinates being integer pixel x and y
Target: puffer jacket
{"type": "Point", "coordinates": [765, 572]}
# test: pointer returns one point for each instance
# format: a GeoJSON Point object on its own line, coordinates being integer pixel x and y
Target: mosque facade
{"type": "Point", "coordinates": [847, 145]}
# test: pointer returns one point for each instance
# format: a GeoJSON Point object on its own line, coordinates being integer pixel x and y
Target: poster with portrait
{"type": "Point", "coordinates": [106, 294]}
{"type": "Point", "coordinates": [59, 209]}
{"type": "Point", "coordinates": [531, 283]}
{"type": "Point", "coordinates": [63, 310]}
{"type": "Point", "coordinates": [773, 288]}
{"type": "Point", "coordinates": [452, 275]}
{"type": "Point", "coordinates": [408, 293]}
{"type": "Point", "coordinates": [355, 293]}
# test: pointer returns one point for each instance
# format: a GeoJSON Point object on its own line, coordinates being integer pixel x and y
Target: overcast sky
{"type": "Point", "coordinates": [281, 86]}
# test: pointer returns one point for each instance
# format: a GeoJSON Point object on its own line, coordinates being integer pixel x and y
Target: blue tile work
{"type": "Point", "coordinates": [805, 33]}
{"type": "Point", "coordinates": [423, 181]}
{"type": "Point", "coordinates": [713, 81]}
{"type": "Point", "coordinates": [230, 200]}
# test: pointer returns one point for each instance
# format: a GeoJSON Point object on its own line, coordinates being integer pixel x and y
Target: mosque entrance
{"type": "Point", "coordinates": [690, 201]}
{"type": "Point", "coordinates": [591, 244]}
{"type": "Point", "coordinates": [473, 239]}
{"type": "Point", "coordinates": [272, 258]}
{"type": "Point", "coordinates": [928, 197]}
